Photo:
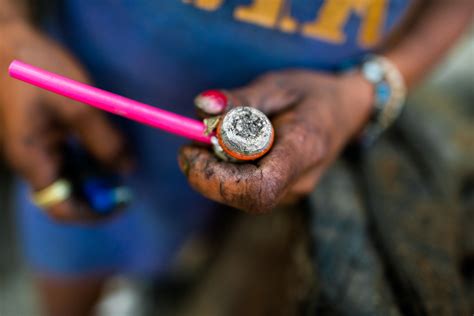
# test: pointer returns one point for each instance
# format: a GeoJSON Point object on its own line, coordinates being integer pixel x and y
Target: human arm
{"type": "Point", "coordinates": [35, 125]}
{"type": "Point", "coordinates": [433, 32]}
{"type": "Point", "coordinates": [323, 113]}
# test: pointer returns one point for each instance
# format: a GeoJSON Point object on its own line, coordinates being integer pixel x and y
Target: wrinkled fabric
{"type": "Point", "coordinates": [164, 53]}
{"type": "Point", "coordinates": [387, 231]}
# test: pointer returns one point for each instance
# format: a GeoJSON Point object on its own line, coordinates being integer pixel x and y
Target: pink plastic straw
{"type": "Point", "coordinates": [140, 112]}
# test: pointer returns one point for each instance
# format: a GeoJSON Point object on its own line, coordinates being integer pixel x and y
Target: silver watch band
{"type": "Point", "coordinates": [389, 95]}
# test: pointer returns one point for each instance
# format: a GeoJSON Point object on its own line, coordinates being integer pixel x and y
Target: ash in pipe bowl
{"type": "Point", "coordinates": [244, 133]}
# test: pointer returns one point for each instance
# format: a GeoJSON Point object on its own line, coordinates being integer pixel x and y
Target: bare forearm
{"type": "Point", "coordinates": [436, 29]}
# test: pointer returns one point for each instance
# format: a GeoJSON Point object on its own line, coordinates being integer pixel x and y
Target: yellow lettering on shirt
{"type": "Point", "coordinates": [267, 13]}
{"type": "Point", "coordinates": [208, 5]}
{"type": "Point", "coordinates": [329, 24]}
{"type": "Point", "coordinates": [334, 15]}
{"type": "Point", "coordinates": [373, 22]}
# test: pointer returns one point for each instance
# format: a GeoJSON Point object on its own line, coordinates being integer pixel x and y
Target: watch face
{"type": "Point", "coordinates": [245, 133]}
{"type": "Point", "coordinates": [373, 71]}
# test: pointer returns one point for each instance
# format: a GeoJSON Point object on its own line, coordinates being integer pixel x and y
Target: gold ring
{"type": "Point", "coordinates": [54, 194]}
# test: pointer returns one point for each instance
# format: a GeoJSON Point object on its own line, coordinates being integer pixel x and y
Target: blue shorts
{"type": "Point", "coordinates": [140, 241]}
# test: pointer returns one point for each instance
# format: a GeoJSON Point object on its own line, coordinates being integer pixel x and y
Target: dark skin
{"type": "Point", "coordinates": [34, 124]}
{"type": "Point", "coordinates": [314, 114]}
{"type": "Point", "coordinates": [329, 112]}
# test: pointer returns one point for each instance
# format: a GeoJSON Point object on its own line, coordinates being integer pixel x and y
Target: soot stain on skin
{"type": "Point", "coordinates": [208, 170]}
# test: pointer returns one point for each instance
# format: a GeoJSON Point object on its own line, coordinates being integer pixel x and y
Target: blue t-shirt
{"type": "Point", "coordinates": [164, 53]}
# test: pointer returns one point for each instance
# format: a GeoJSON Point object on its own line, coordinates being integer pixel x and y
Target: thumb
{"type": "Point", "coordinates": [268, 93]}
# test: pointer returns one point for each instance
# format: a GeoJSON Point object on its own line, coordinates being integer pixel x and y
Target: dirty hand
{"type": "Point", "coordinates": [35, 124]}
{"type": "Point", "coordinates": [314, 116]}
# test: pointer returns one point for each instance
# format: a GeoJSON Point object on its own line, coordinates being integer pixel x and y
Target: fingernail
{"type": "Point", "coordinates": [211, 101]}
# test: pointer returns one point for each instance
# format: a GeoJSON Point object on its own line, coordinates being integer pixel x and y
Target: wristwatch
{"type": "Point", "coordinates": [389, 95]}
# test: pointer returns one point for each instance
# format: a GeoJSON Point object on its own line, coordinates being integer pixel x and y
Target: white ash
{"type": "Point", "coordinates": [246, 130]}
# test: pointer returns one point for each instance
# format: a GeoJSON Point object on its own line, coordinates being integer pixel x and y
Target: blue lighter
{"type": "Point", "coordinates": [104, 191]}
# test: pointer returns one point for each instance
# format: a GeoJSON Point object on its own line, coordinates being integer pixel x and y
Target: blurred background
{"type": "Point", "coordinates": [454, 80]}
